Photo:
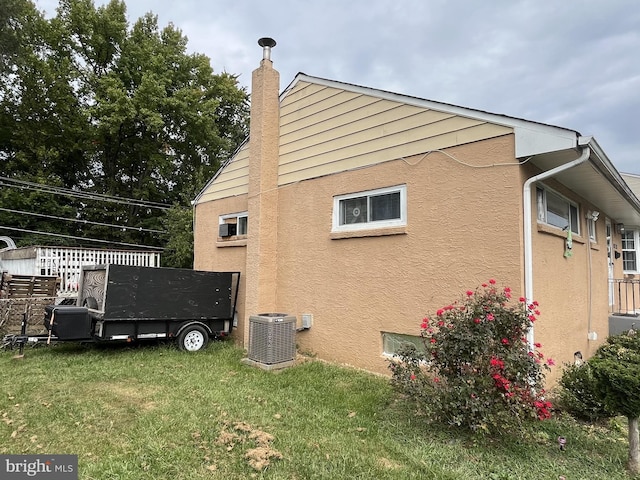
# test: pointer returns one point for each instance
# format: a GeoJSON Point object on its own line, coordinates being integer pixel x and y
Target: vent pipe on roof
{"type": "Point", "coordinates": [267, 44]}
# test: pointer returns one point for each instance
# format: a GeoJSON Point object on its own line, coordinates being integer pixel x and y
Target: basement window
{"type": "Point", "coordinates": [384, 207]}
{"type": "Point", "coordinates": [556, 210]}
{"type": "Point", "coordinates": [393, 342]}
{"type": "Point", "coordinates": [232, 225]}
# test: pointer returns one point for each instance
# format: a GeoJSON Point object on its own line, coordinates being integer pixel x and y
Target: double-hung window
{"type": "Point", "coordinates": [384, 207]}
{"type": "Point", "coordinates": [630, 246]}
{"type": "Point", "coordinates": [556, 210]}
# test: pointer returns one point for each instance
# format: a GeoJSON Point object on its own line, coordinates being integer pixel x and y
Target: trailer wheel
{"type": "Point", "coordinates": [193, 338]}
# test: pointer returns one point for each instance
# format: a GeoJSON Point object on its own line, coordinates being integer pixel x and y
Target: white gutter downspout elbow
{"type": "Point", "coordinates": [528, 234]}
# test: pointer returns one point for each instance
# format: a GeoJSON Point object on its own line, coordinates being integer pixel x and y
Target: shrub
{"type": "Point", "coordinates": [476, 370]}
{"type": "Point", "coordinates": [578, 393]}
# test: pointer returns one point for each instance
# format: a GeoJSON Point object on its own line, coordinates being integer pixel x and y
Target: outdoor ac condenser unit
{"type": "Point", "coordinates": [272, 338]}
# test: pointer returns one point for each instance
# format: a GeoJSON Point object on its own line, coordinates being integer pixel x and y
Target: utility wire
{"type": "Point", "coordinates": [80, 238]}
{"type": "Point", "coordinates": [52, 217]}
{"type": "Point", "coordinates": [10, 182]}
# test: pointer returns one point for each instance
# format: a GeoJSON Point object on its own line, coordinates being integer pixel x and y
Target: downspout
{"type": "Point", "coordinates": [528, 234]}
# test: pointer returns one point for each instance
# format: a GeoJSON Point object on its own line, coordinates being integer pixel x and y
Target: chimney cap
{"type": "Point", "coordinates": [267, 42]}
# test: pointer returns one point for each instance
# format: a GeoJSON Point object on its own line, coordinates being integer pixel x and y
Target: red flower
{"type": "Point", "coordinates": [440, 312]}
{"type": "Point", "coordinates": [441, 323]}
{"type": "Point", "coordinates": [532, 318]}
{"type": "Point", "coordinates": [537, 312]}
{"type": "Point", "coordinates": [423, 325]}
{"type": "Point", "coordinates": [492, 281]}
{"type": "Point", "coordinates": [551, 362]}
{"type": "Point", "coordinates": [537, 345]}
{"type": "Point", "coordinates": [476, 320]}
{"type": "Point", "coordinates": [432, 340]}
{"type": "Point", "coordinates": [507, 290]}
{"type": "Point", "coordinates": [505, 341]}
{"type": "Point", "coordinates": [436, 379]}
{"type": "Point", "coordinates": [413, 376]}
{"type": "Point", "coordinates": [469, 293]}
{"type": "Point", "coordinates": [522, 299]}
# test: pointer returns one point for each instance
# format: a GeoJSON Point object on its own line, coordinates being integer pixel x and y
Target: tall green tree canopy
{"type": "Point", "coordinates": [91, 103]}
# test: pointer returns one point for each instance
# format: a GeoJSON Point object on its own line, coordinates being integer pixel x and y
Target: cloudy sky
{"type": "Point", "coordinates": [575, 64]}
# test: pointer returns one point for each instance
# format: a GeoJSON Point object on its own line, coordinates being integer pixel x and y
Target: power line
{"type": "Point", "coordinates": [80, 238]}
{"type": "Point", "coordinates": [52, 217]}
{"type": "Point", "coordinates": [39, 187]}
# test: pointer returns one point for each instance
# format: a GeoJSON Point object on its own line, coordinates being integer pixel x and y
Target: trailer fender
{"type": "Point", "coordinates": [193, 336]}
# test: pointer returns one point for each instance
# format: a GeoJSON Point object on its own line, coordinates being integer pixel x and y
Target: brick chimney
{"type": "Point", "coordinates": [262, 231]}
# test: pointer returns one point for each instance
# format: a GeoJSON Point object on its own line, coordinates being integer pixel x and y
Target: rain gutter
{"type": "Point", "coordinates": [528, 234]}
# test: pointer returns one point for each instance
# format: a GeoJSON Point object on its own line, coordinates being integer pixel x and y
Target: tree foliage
{"type": "Point", "coordinates": [476, 370]}
{"type": "Point", "coordinates": [94, 104]}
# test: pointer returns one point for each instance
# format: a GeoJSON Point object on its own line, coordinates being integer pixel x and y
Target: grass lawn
{"type": "Point", "coordinates": [154, 412]}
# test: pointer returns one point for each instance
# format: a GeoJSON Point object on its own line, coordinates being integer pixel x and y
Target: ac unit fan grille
{"type": "Point", "coordinates": [272, 339]}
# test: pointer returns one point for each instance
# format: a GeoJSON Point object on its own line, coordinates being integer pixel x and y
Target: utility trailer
{"type": "Point", "coordinates": [130, 303]}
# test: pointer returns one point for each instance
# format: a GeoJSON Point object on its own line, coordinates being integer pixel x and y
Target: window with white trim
{"type": "Point", "coordinates": [384, 207]}
{"type": "Point", "coordinates": [630, 246]}
{"type": "Point", "coordinates": [238, 220]}
{"type": "Point", "coordinates": [556, 210]}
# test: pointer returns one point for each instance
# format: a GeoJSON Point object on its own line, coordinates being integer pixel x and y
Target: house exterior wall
{"type": "Point", "coordinates": [573, 291]}
{"type": "Point", "coordinates": [357, 286]}
{"type": "Point", "coordinates": [464, 226]}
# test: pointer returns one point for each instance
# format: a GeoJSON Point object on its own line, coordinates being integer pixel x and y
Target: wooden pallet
{"type": "Point", "coordinates": [26, 286]}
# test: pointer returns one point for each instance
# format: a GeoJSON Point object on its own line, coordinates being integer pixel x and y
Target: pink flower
{"type": "Point", "coordinates": [436, 380]}
{"type": "Point", "coordinates": [551, 362]}
{"type": "Point", "coordinates": [490, 317]}
{"type": "Point", "coordinates": [532, 318]}
{"type": "Point", "coordinates": [441, 323]}
{"type": "Point", "coordinates": [423, 325]}
{"type": "Point", "coordinates": [505, 341]}
{"type": "Point", "coordinates": [469, 293]}
{"type": "Point", "coordinates": [537, 312]}
{"type": "Point", "coordinates": [413, 376]}
{"type": "Point", "coordinates": [432, 340]}
{"type": "Point", "coordinates": [440, 312]}
{"type": "Point", "coordinates": [507, 290]}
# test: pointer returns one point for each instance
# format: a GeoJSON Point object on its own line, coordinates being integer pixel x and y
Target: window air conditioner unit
{"type": "Point", "coordinates": [272, 338]}
{"type": "Point", "coordinates": [227, 229]}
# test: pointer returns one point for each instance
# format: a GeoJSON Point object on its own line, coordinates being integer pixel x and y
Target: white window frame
{"type": "Point", "coordinates": [369, 224]}
{"type": "Point", "coordinates": [542, 192]}
{"type": "Point", "coordinates": [635, 249]}
{"type": "Point", "coordinates": [241, 218]}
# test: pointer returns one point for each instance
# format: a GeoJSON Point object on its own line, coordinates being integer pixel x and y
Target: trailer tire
{"type": "Point", "coordinates": [91, 303]}
{"type": "Point", "coordinates": [193, 338]}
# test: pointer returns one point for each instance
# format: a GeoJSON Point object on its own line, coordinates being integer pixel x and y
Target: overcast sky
{"type": "Point", "coordinates": [574, 64]}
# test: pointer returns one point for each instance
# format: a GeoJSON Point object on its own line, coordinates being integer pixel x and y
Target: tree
{"type": "Point", "coordinates": [616, 367]}
{"type": "Point", "coordinates": [98, 106]}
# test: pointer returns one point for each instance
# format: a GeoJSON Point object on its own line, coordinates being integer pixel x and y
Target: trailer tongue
{"type": "Point", "coordinates": [127, 303]}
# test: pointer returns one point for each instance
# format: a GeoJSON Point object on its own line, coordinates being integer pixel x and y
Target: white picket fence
{"type": "Point", "coordinates": [67, 262]}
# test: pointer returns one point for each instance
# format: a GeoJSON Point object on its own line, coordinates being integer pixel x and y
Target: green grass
{"type": "Point", "coordinates": [155, 412]}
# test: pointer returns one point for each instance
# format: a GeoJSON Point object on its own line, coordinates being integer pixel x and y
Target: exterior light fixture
{"type": "Point", "coordinates": [619, 227]}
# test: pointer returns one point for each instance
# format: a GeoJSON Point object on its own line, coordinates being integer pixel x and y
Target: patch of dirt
{"type": "Point", "coordinates": [241, 433]}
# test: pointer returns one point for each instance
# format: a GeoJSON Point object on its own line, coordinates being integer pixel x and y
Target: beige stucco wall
{"type": "Point", "coordinates": [360, 286]}
{"type": "Point", "coordinates": [572, 291]}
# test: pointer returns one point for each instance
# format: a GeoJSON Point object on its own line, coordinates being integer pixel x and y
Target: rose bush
{"type": "Point", "coordinates": [477, 369]}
